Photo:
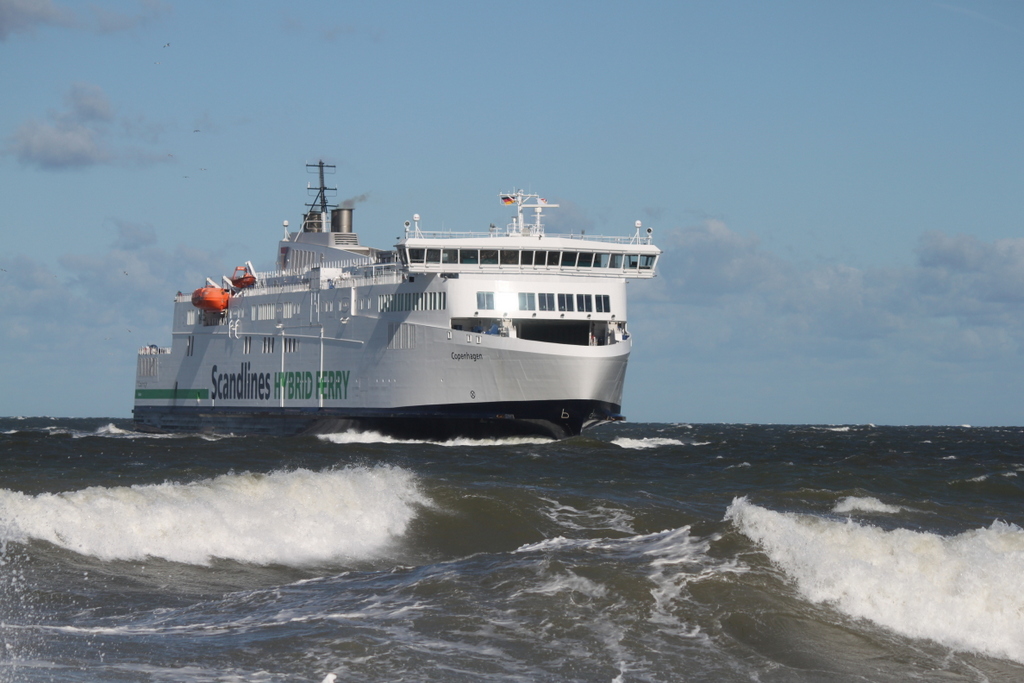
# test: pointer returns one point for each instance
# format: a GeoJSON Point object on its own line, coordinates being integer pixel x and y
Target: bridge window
{"type": "Point", "coordinates": [568, 259]}
{"type": "Point", "coordinates": [470, 256]}
{"type": "Point", "coordinates": [450, 256]}
{"type": "Point", "coordinates": [616, 261]}
{"type": "Point", "coordinates": [527, 258]}
{"type": "Point", "coordinates": [489, 256]}
{"type": "Point", "coordinates": [553, 257]}
{"type": "Point", "coordinates": [416, 255]}
{"type": "Point", "coordinates": [632, 261]}
{"type": "Point", "coordinates": [433, 255]}
{"type": "Point", "coordinates": [509, 257]}
{"type": "Point", "coordinates": [585, 260]}
{"type": "Point", "coordinates": [646, 261]}
{"type": "Point", "coordinates": [600, 260]}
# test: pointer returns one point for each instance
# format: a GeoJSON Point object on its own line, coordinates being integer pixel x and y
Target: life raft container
{"type": "Point", "coordinates": [243, 277]}
{"type": "Point", "coordinates": [211, 298]}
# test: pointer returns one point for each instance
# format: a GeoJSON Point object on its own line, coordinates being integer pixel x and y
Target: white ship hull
{"type": "Point", "coordinates": [344, 337]}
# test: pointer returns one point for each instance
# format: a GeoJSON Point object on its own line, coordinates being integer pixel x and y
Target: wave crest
{"type": "Point", "coordinates": [299, 517]}
{"type": "Point", "coordinates": [864, 504]}
{"type": "Point", "coordinates": [962, 591]}
{"type": "Point", "coordinates": [649, 442]}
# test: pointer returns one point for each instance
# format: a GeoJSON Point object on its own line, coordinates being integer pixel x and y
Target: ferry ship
{"type": "Point", "coordinates": [511, 331]}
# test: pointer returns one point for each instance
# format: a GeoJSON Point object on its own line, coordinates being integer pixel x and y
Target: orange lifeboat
{"type": "Point", "coordinates": [211, 298]}
{"type": "Point", "coordinates": [243, 277]}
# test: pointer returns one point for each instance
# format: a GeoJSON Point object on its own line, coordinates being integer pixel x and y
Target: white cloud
{"type": "Point", "coordinates": [72, 328]}
{"type": "Point", "coordinates": [18, 16]}
{"type": "Point", "coordinates": [58, 145]}
{"type": "Point", "coordinates": [95, 296]}
{"type": "Point", "coordinates": [88, 102]}
{"type": "Point", "coordinates": [730, 331]}
{"type": "Point", "coordinates": [109, 21]}
{"type": "Point", "coordinates": [23, 16]}
{"type": "Point", "coordinates": [84, 134]}
{"type": "Point", "coordinates": [963, 298]}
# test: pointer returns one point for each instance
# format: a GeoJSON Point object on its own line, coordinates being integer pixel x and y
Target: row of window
{"type": "Point", "coordinates": [515, 257]}
{"type": "Point", "coordinates": [412, 301]}
{"type": "Point", "coordinates": [289, 309]}
{"type": "Point", "coordinates": [263, 311]}
{"type": "Point", "coordinates": [291, 344]}
{"type": "Point", "coordinates": [545, 301]}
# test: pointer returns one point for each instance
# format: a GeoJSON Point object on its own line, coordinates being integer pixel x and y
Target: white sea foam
{"type": "Point", "coordinates": [374, 437]}
{"type": "Point", "coordinates": [295, 518]}
{"type": "Point", "coordinates": [652, 442]}
{"type": "Point", "coordinates": [597, 517]}
{"type": "Point", "coordinates": [864, 504]}
{"type": "Point", "coordinates": [110, 429]}
{"type": "Point", "coordinates": [964, 591]}
{"type": "Point", "coordinates": [674, 557]}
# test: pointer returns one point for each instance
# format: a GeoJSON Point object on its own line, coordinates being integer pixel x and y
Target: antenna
{"type": "Point", "coordinates": [321, 195]}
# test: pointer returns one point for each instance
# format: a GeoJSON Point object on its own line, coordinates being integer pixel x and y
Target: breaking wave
{"type": "Point", "coordinates": [650, 442]}
{"type": "Point", "coordinates": [864, 504]}
{"type": "Point", "coordinates": [294, 518]}
{"type": "Point", "coordinates": [962, 591]}
{"type": "Point", "coordinates": [374, 437]}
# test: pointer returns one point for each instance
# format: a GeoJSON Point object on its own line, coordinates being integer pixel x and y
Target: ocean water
{"type": "Point", "coordinates": [637, 552]}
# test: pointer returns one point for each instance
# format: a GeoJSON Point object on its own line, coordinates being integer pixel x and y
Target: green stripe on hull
{"type": "Point", "coordinates": [172, 393]}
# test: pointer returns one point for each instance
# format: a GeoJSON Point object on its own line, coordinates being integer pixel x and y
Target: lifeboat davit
{"type": "Point", "coordinates": [243, 277]}
{"type": "Point", "coordinates": [211, 298]}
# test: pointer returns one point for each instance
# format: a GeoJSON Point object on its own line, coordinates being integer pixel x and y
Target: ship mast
{"type": "Point", "coordinates": [322, 191]}
{"type": "Point", "coordinates": [315, 220]}
{"type": "Point", "coordinates": [519, 198]}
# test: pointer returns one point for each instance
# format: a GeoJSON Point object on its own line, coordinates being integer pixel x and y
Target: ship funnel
{"type": "Point", "coordinates": [341, 219]}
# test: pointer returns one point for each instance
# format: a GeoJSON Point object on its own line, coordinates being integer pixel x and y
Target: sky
{"type": "Point", "coordinates": [838, 187]}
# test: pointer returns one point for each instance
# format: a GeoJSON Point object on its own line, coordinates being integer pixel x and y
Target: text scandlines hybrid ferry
{"type": "Point", "coordinates": [507, 332]}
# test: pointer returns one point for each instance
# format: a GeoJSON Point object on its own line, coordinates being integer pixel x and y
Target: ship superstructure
{"type": "Point", "coordinates": [511, 331]}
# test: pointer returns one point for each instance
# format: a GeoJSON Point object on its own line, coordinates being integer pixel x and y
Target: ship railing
{"type": "Point", "coordinates": [357, 275]}
{"type": "Point", "coordinates": [274, 288]}
{"type": "Point", "coordinates": [284, 282]}
{"type": "Point", "coordinates": [372, 274]}
{"type": "Point", "coordinates": [636, 238]}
